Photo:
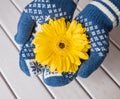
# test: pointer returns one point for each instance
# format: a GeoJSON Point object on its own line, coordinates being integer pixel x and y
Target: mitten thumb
{"type": "Point", "coordinates": [25, 27]}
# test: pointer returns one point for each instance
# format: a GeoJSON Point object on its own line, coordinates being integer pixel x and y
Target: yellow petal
{"type": "Point", "coordinates": [71, 58]}
{"type": "Point", "coordinates": [59, 64]}
{"type": "Point", "coordinates": [77, 61]}
{"type": "Point", "coordinates": [67, 64]}
{"type": "Point", "coordinates": [84, 56]}
{"type": "Point", "coordinates": [47, 30]}
{"type": "Point", "coordinates": [73, 25]}
{"type": "Point", "coordinates": [63, 63]}
{"type": "Point", "coordinates": [68, 24]}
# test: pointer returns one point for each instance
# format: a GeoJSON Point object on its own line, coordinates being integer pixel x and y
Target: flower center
{"type": "Point", "coordinates": [61, 45]}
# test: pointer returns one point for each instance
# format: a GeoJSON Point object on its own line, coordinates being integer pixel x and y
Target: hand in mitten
{"type": "Point", "coordinates": [36, 13]}
{"type": "Point", "coordinates": [99, 17]}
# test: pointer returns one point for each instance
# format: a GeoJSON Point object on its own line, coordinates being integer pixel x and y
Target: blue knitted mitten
{"type": "Point", "coordinates": [99, 17]}
{"type": "Point", "coordinates": [36, 13]}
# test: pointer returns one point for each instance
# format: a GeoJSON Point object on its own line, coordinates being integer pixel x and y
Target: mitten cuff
{"type": "Point", "coordinates": [111, 8]}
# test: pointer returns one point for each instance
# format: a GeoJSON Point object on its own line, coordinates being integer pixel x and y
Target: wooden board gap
{"type": "Point", "coordinates": [102, 67]}
{"type": "Point", "coordinates": [84, 89]}
{"type": "Point", "coordinates": [12, 92]}
{"type": "Point", "coordinates": [15, 6]}
{"type": "Point", "coordinates": [46, 88]}
{"type": "Point", "coordinates": [115, 44]}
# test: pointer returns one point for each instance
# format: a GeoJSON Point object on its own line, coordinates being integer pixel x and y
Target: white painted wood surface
{"type": "Point", "coordinates": [24, 87]}
{"type": "Point", "coordinates": [5, 93]}
{"type": "Point", "coordinates": [102, 84]}
{"type": "Point", "coordinates": [112, 63]}
{"type": "Point", "coordinates": [115, 36]}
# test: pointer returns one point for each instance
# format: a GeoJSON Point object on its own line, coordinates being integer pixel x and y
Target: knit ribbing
{"type": "Point", "coordinates": [93, 13]}
{"type": "Point", "coordinates": [117, 4]}
{"type": "Point", "coordinates": [105, 9]}
{"type": "Point", "coordinates": [113, 9]}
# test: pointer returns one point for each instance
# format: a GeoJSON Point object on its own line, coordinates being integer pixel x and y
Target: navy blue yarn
{"type": "Point", "coordinates": [57, 81]}
{"type": "Point", "coordinates": [97, 17]}
{"type": "Point", "coordinates": [25, 26]}
{"type": "Point", "coordinates": [24, 67]}
{"type": "Point", "coordinates": [116, 3]}
{"type": "Point", "coordinates": [93, 13]}
{"type": "Point", "coordinates": [111, 10]}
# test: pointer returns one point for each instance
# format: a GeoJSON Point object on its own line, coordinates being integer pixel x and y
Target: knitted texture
{"type": "Point", "coordinates": [99, 17]}
{"type": "Point", "coordinates": [36, 13]}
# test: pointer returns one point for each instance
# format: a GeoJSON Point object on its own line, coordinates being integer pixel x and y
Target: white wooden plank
{"type": "Point", "coordinates": [115, 36]}
{"type": "Point", "coordinates": [5, 16]}
{"type": "Point", "coordinates": [82, 3]}
{"type": "Point", "coordinates": [24, 87]}
{"type": "Point", "coordinates": [70, 91]}
{"type": "Point", "coordinates": [76, 13]}
{"type": "Point", "coordinates": [5, 93]}
{"type": "Point", "coordinates": [80, 6]}
{"type": "Point", "coordinates": [59, 93]}
{"type": "Point", "coordinates": [20, 5]}
{"type": "Point", "coordinates": [100, 86]}
{"type": "Point", "coordinates": [112, 63]}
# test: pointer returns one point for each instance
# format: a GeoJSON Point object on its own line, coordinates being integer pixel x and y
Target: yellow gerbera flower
{"type": "Point", "coordinates": [60, 45]}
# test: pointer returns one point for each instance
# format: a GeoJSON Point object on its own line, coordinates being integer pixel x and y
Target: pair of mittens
{"type": "Point", "coordinates": [99, 17]}
{"type": "Point", "coordinates": [35, 13]}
